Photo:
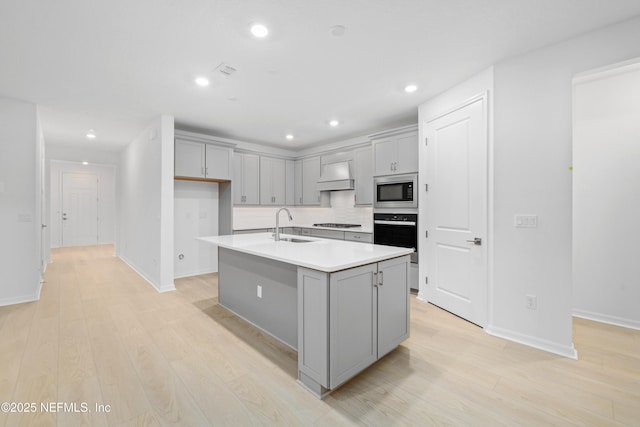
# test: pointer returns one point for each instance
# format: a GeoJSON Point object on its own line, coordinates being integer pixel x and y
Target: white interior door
{"type": "Point", "coordinates": [457, 212]}
{"type": "Point", "coordinates": [79, 209]}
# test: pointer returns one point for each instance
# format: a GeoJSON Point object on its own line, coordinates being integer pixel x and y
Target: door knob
{"type": "Point", "coordinates": [476, 241]}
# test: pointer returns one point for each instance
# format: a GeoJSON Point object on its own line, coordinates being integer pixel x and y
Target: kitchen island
{"type": "Point", "coordinates": [341, 305]}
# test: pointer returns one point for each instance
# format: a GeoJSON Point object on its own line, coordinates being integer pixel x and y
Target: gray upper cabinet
{"type": "Point", "coordinates": [289, 177]}
{"type": "Point", "coordinates": [202, 161]}
{"type": "Point", "coordinates": [396, 154]}
{"type": "Point", "coordinates": [272, 181]}
{"type": "Point", "coordinates": [297, 182]}
{"type": "Point", "coordinates": [363, 159]}
{"type": "Point", "coordinates": [310, 176]}
{"type": "Point", "coordinates": [189, 159]}
{"type": "Point", "coordinates": [246, 179]}
{"type": "Point", "coordinates": [217, 162]}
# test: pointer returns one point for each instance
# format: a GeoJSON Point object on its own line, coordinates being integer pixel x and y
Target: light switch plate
{"type": "Point", "coordinates": [526, 221]}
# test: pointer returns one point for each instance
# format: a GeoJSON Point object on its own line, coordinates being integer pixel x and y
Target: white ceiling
{"type": "Point", "coordinates": [114, 65]}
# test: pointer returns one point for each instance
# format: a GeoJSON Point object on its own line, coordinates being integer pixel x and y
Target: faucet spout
{"type": "Point", "coordinates": [277, 235]}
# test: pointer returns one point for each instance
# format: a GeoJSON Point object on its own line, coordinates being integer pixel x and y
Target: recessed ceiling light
{"type": "Point", "coordinates": [289, 137]}
{"type": "Point", "coordinates": [334, 123]}
{"type": "Point", "coordinates": [338, 30]}
{"type": "Point", "coordinates": [410, 88]}
{"type": "Point", "coordinates": [202, 81]}
{"type": "Point", "coordinates": [85, 163]}
{"type": "Point", "coordinates": [259, 30]}
{"type": "Point", "coordinates": [91, 134]}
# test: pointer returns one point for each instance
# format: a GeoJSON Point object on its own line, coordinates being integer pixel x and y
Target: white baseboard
{"type": "Point", "coordinates": [606, 318]}
{"type": "Point", "coordinates": [196, 273]}
{"type": "Point", "coordinates": [21, 299]}
{"type": "Point", "coordinates": [540, 344]}
{"type": "Point", "coordinates": [160, 289]}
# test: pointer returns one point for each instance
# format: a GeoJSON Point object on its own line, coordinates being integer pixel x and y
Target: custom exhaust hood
{"type": "Point", "coordinates": [336, 176]}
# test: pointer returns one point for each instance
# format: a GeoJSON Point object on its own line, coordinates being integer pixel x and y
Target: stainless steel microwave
{"type": "Point", "coordinates": [396, 191]}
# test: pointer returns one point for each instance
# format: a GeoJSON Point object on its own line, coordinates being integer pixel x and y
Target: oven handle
{"type": "Point", "coordinates": [378, 221]}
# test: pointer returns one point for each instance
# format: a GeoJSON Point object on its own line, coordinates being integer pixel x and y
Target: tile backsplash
{"type": "Point", "coordinates": [342, 210]}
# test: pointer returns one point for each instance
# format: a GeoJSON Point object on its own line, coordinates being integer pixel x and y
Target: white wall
{"type": "Point", "coordinates": [606, 195]}
{"type": "Point", "coordinates": [145, 188]}
{"type": "Point", "coordinates": [82, 154]}
{"type": "Point", "coordinates": [532, 155]}
{"type": "Point", "coordinates": [19, 216]}
{"type": "Point", "coordinates": [195, 215]}
{"type": "Point", "coordinates": [106, 194]}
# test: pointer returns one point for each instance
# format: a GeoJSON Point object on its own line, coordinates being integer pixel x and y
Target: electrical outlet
{"type": "Point", "coordinates": [259, 291]}
{"type": "Point", "coordinates": [531, 302]}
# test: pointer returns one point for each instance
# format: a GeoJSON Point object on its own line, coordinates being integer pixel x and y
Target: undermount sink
{"type": "Point", "coordinates": [294, 240]}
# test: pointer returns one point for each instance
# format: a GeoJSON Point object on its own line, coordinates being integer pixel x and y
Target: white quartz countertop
{"type": "Point", "coordinates": [318, 254]}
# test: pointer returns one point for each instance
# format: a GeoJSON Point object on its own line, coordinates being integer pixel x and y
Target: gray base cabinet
{"type": "Point", "coordinates": [349, 319]}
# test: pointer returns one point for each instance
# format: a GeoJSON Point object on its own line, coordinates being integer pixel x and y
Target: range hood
{"type": "Point", "coordinates": [336, 176]}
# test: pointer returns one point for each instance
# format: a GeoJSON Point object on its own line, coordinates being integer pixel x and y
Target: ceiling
{"type": "Point", "coordinates": [114, 65]}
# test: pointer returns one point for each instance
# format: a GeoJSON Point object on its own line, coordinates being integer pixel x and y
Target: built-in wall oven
{"type": "Point", "coordinates": [397, 229]}
{"type": "Point", "coordinates": [395, 192]}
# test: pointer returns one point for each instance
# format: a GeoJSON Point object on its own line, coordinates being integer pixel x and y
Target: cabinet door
{"type": "Point", "coordinates": [237, 181]}
{"type": "Point", "coordinates": [384, 156]}
{"type": "Point", "coordinates": [272, 181]}
{"type": "Point", "coordinates": [363, 176]}
{"type": "Point", "coordinates": [217, 163]}
{"type": "Point", "coordinates": [189, 159]}
{"type": "Point", "coordinates": [297, 182]}
{"type": "Point", "coordinates": [266, 193]}
{"type": "Point", "coordinates": [393, 303]}
{"type": "Point", "coordinates": [328, 234]}
{"type": "Point", "coordinates": [352, 323]}
{"type": "Point", "coordinates": [310, 176]}
{"type": "Point", "coordinates": [407, 153]}
{"type": "Point", "coordinates": [289, 182]}
{"type": "Point", "coordinates": [251, 179]}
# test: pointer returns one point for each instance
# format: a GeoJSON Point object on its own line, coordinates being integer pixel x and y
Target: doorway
{"type": "Point", "coordinates": [457, 211]}
{"type": "Point", "coordinates": [79, 217]}
{"type": "Point", "coordinates": [606, 194]}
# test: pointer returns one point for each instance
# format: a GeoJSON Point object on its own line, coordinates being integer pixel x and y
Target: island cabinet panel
{"type": "Point", "coordinates": [393, 304]}
{"type": "Point", "coordinates": [352, 320]}
{"type": "Point", "coordinates": [349, 319]}
{"type": "Point", "coordinates": [261, 291]}
{"type": "Point", "coordinates": [313, 341]}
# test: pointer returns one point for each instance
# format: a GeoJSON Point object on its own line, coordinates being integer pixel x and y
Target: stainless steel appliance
{"type": "Point", "coordinates": [395, 192]}
{"type": "Point", "coordinates": [396, 230]}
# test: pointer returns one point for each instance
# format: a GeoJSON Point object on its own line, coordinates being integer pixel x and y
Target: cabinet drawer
{"type": "Point", "coordinates": [305, 232]}
{"type": "Point", "coordinates": [358, 237]}
{"type": "Point", "coordinates": [328, 234]}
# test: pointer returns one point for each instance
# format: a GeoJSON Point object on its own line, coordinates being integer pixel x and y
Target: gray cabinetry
{"type": "Point", "coordinates": [328, 234]}
{"type": "Point", "coordinates": [272, 181]}
{"type": "Point", "coordinates": [297, 182]}
{"type": "Point", "coordinates": [289, 168]}
{"type": "Point", "coordinates": [363, 159]}
{"type": "Point", "coordinates": [246, 179]}
{"type": "Point", "coordinates": [358, 237]}
{"type": "Point", "coordinates": [368, 316]}
{"type": "Point", "coordinates": [201, 161]}
{"type": "Point", "coordinates": [396, 154]}
{"type": "Point", "coordinates": [310, 175]}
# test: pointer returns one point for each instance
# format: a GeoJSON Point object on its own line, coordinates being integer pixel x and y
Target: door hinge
{"type": "Point", "coordinates": [426, 141]}
{"type": "Point", "coordinates": [426, 234]}
{"type": "Point", "coordinates": [426, 187]}
{"type": "Point", "coordinates": [426, 280]}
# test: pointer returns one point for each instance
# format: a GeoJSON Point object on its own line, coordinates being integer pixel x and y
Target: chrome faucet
{"type": "Point", "coordinates": [277, 235]}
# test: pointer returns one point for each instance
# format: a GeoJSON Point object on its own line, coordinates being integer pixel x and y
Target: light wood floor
{"type": "Point", "coordinates": [102, 335]}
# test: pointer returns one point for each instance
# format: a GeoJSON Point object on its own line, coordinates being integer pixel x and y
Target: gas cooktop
{"type": "Point", "coordinates": [334, 225]}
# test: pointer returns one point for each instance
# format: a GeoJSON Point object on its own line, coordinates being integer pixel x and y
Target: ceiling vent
{"type": "Point", "coordinates": [225, 70]}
